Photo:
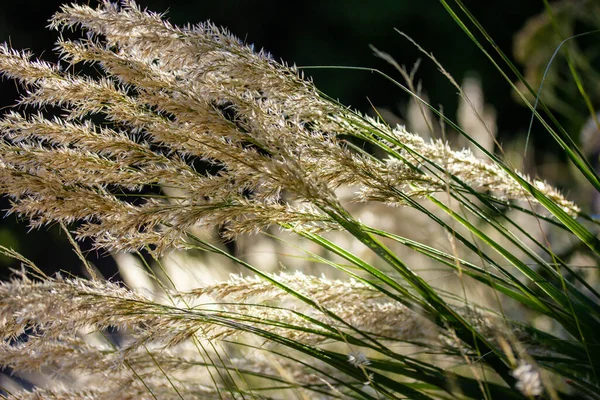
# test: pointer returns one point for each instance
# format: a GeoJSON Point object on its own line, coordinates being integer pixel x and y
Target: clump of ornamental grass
{"type": "Point", "coordinates": [187, 129]}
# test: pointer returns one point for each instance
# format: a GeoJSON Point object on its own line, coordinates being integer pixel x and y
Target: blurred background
{"type": "Point", "coordinates": [339, 32]}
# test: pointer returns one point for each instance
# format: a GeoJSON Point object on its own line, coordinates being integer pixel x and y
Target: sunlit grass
{"type": "Point", "coordinates": [370, 263]}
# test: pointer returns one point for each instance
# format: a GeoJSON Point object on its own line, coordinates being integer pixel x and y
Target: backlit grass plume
{"type": "Point", "coordinates": [187, 130]}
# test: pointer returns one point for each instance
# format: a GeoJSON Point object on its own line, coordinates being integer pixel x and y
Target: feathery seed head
{"type": "Point", "coordinates": [358, 359]}
{"type": "Point", "coordinates": [178, 94]}
{"type": "Point", "coordinates": [528, 378]}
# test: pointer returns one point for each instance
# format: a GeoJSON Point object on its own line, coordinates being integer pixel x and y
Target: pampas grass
{"type": "Point", "coordinates": [424, 271]}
